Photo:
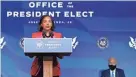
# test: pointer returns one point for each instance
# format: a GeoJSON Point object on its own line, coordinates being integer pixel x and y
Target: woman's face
{"type": "Point", "coordinates": [46, 23]}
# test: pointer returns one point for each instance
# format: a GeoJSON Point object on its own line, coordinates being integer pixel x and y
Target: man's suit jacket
{"type": "Point", "coordinates": [56, 66]}
{"type": "Point", "coordinates": [119, 73]}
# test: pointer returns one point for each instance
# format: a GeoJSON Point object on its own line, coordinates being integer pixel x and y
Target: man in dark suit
{"type": "Point", "coordinates": [113, 71]}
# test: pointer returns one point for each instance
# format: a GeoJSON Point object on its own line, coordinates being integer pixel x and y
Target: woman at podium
{"type": "Point", "coordinates": [46, 30]}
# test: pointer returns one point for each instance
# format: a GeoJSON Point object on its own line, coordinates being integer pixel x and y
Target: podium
{"type": "Point", "coordinates": [47, 47]}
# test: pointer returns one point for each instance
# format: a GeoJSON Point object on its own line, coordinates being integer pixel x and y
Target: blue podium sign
{"type": "Point", "coordinates": [48, 45]}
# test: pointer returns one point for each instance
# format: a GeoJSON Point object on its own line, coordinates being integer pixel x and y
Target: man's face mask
{"type": "Point", "coordinates": [112, 67]}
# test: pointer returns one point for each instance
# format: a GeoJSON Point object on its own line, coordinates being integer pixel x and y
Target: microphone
{"type": "Point", "coordinates": [44, 33]}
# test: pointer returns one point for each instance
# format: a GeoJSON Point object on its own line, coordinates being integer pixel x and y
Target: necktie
{"type": "Point", "coordinates": [112, 74]}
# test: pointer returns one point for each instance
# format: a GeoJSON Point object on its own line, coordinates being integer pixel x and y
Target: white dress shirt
{"type": "Point", "coordinates": [113, 72]}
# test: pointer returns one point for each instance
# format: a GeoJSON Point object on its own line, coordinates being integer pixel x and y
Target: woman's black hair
{"type": "Point", "coordinates": [40, 28]}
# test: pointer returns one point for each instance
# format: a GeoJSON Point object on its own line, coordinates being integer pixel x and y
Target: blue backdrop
{"type": "Point", "coordinates": [114, 20]}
